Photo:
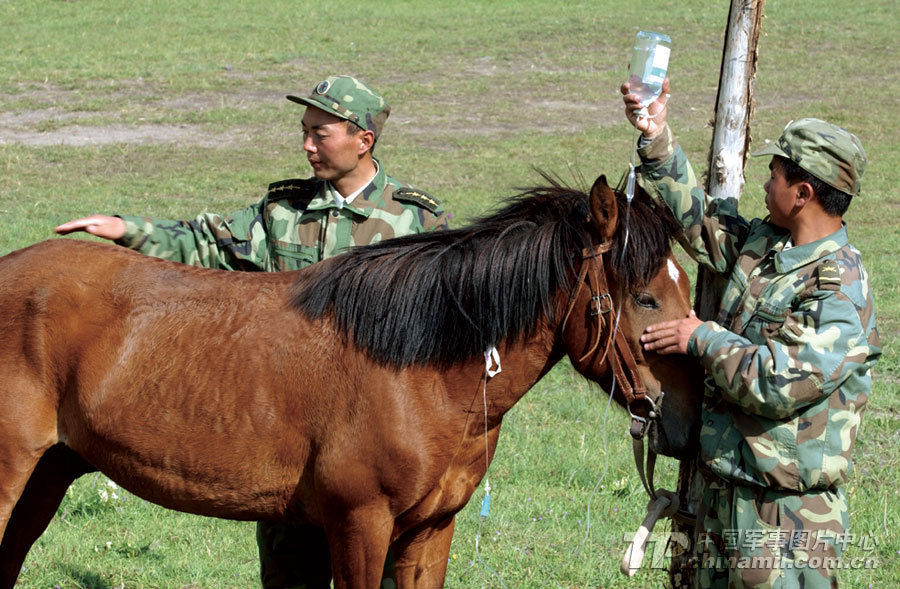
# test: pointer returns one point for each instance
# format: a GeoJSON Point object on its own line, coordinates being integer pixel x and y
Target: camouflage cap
{"type": "Point", "coordinates": [828, 152]}
{"type": "Point", "coordinates": [348, 98]}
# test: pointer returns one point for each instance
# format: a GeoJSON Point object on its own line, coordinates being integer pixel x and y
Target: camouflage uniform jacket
{"type": "Point", "coordinates": [297, 223]}
{"type": "Point", "coordinates": [788, 357]}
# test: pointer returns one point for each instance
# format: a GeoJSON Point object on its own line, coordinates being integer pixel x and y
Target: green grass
{"type": "Point", "coordinates": [482, 93]}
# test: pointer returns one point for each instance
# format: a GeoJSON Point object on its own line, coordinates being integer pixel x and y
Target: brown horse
{"type": "Point", "coordinates": [349, 395]}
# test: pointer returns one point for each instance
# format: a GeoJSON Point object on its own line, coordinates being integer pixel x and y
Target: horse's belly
{"type": "Point", "coordinates": [208, 466]}
{"type": "Point", "coordinates": [200, 484]}
{"type": "Point", "coordinates": [231, 491]}
{"type": "Point", "coordinates": [225, 437]}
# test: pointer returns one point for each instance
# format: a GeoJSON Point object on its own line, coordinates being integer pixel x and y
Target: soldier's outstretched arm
{"type": "Point", "coordinates": [103, 226]}
{"type": "Point", "coordinates": [233, 242]}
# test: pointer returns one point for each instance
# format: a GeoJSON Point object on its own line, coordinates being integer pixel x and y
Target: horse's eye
{"type": "Point", "coordinates": [645, 300]}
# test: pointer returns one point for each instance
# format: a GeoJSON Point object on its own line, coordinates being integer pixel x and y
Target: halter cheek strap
{"type": "Point", "coordinates": [601, 304]}
{"type": "Point", "coordinates": [622, 361]}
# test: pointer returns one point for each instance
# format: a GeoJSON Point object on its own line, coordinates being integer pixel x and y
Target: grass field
{"type": "Point", "coordinates": [171, 108]}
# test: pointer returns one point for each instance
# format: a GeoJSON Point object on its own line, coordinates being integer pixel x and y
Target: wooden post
{"type": "Point", "coordinates": [727, 157]}
{"type": "Point", "coordinates": [731, 136]}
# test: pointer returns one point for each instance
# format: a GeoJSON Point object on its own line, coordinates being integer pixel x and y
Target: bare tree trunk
{"type": "Point", "coordinates": [727, 157]}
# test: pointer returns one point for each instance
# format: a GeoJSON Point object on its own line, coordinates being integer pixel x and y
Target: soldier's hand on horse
{"type": "Point", "coordinates": [100, 225]}
{"type": "Point", "coordinates": [651, 125]}
{"type": "Point", "coordinates": [670, 337]}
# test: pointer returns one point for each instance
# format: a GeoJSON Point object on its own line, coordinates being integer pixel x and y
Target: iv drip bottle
{"type": "Point", "coordinates": [649, 62]}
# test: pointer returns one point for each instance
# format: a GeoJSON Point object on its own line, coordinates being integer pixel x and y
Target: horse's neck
{"type": "Point", "coordinates": [522, 364]}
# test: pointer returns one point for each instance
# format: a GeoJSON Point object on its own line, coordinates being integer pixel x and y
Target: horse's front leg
{"type": "Point", "coordinates": [421, 557]}
{"type": "Point", "coordinates": [358, 540]}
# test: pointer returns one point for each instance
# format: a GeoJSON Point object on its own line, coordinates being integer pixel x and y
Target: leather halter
{"type": "Point", "coordinates": [622, 359]}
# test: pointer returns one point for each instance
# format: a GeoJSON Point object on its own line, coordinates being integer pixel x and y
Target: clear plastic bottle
{"type": "Point", "coordinates": [649, 62]}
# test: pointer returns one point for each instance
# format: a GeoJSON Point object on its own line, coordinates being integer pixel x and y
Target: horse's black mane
{"type": "Point", "coordinates": [446, 296]}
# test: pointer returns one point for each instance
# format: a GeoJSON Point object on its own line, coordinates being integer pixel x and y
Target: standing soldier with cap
{"type": "Point", "coordinates": [787, 359]}
{"type": "Point", "coordinates": [349, 201]}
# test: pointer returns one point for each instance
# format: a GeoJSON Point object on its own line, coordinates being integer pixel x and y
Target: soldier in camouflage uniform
{"type": "Point", "coordinates": [787, 359]}
{"type": "Point", "coordinates": [349, 201]}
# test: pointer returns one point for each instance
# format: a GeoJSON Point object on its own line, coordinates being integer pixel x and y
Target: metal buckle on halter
{"type": "Point", "coordinates": [639, 424]}
{"type": "Point", "coordinates": [597, 306]}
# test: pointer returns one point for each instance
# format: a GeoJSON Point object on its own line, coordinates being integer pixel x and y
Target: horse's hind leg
{"type": "Point", "coordinates": [28, 428]}
{"type": "Point", "coordinates": [46, 487]}
{"type": "Point", "coordinates": [293, 555]}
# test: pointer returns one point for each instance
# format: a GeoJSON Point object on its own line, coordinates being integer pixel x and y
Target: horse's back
{"type": "Point", "coordinates": [68, 266]}
{"type": "Point", "coordinates": [70, 300]}
{"type": "Point", "coordinates": [45, 292]}
{"type": "Point", "coordinates": [53, 252]}
{"type": "Point", "coordinates": [67, 290]}
{"type": "Point", "coordinates": [85, 272]}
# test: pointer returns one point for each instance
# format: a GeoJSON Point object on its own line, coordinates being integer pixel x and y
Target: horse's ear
{"type": "Point", "coordinates": [604, 209]}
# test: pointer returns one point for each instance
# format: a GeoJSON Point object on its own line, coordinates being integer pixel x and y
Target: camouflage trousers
{"type": "Point", "coordinates": [760, 538]}
{"type": "Point", "coordinates": [296, 556]}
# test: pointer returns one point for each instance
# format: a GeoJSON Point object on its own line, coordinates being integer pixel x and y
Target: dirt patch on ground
{"type": "Point", "coordinates": [153, 134]}
{"type": "Point", "coordinates": [57, 116]}
{"type": "Point", "coordinates": [57, 120]}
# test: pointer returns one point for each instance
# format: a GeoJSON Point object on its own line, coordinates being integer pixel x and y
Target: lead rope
{"type": "Point", "coordinates": [491, 359]}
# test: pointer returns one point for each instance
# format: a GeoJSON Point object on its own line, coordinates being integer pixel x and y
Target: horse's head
{"type": "Point", "coordinates": [625, 282]}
